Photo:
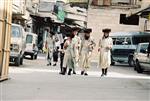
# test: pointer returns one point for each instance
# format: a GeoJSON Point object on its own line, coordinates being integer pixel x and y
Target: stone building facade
{"type": "Point", "coordinates": [100, 17]}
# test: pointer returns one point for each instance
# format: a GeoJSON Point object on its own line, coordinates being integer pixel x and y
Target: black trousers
{"type": "Point", "coordinates": [55, 54]}
{"type": "Point", "coordinates": [61, 60]}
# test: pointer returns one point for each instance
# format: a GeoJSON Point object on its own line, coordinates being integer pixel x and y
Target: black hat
{"type": "Point", "coordinates": [88, 30]}
{"type": "Point", "coordinates": [75, 29]}
{"type": "Point", "coordinates": [107, 30]}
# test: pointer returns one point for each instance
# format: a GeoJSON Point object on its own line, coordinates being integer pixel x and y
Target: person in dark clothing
{"type": "Point", "coordinates": [61, 57]}
{"type": "Point", "coordinates": [55, 56]}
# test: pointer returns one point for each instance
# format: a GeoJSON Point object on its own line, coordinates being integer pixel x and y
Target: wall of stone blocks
{"type": "Point", "coordinates": [109, 18]}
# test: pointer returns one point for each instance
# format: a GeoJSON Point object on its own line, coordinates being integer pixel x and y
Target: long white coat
{"type": "Point", "coordinates": [50, 46]}
{"type": "Point", "coordinates": [85, 52]}
{"type": "Point", "coordinates": [76, 42]}
{"type": "Point", "coordinates": [105, 46]}
{"type": "Point", "coordinates": [69, 55]}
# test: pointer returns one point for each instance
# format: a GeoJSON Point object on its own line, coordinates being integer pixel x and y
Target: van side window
{"type": "Point", "coordinates": [140, 39]}
{"type": "Point", "coordinates": [114, 41]}
{"type": "Point", "coordinates": [128, 40]}
{"type": "Point", "coordinates": [119, 41]}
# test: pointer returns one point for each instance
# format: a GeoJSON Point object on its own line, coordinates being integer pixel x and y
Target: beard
{"type": "Point", "coordinates": [86, 37]}
{"type": "Point", "coordinates": [106, 36]}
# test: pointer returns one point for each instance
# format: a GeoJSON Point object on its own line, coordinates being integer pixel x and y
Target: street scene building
{"type": "Point", "coordinates": [92, 50]}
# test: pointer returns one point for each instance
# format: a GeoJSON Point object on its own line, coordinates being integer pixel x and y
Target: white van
{"type": "Point", "coordinates": [18, 44]}
{"type": "Point", "coordinates": [124, 45]}
{"type": "Point", "coordinates": [31, 45]}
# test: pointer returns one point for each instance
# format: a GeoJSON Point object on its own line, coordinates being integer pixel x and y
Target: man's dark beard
{"type": "Point", "coordinates": [86, 37]}
{"type": "Point", "coordinates": [106, 36]}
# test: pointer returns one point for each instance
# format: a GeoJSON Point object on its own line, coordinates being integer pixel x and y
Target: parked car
{"type": "Point", "coordinates": [124, 45]}
{"type": "Point", "coordinates": [18, 44]}
{"type": "Point", "coordinates": [31, 45]}
{"type": "Point", "coordinates": [141, 58]}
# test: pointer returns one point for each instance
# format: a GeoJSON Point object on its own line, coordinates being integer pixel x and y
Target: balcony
{"type": "Point", "coordinates": [116, 4]}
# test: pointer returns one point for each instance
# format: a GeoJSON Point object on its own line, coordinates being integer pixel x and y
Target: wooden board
{"type": "Point", "coordinates": [5, 32]}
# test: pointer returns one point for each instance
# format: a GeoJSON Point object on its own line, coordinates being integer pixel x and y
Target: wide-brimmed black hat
{"type": "Point", "coordinates": [75, 29]}
{"type": "Point", "coordinates": [88, 30]}
{"type": "Point", "coordinates": [107, 30]}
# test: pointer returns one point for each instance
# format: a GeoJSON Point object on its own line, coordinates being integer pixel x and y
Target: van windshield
{"type": "Point", "coordinates": [29, 39]}
{"type": "Point", "coordinates": [15, 32]}
{"type": "Point", "coordinates": [140, 39]}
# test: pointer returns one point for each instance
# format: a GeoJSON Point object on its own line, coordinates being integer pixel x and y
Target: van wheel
{"type": "Point", "coordinates": [21, 61]}
{"type": "Point", "coordinates": [131, 61]}
{"type": "Point", "coordinates": [138, 67]}
{"type": "Point", "coordinates": [17, 61]}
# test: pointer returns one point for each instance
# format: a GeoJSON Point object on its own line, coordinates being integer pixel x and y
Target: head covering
{"type": "Point", "coordinates": [88, 30]}
{"type": "Point", "coordinates": [107, 30]}
{"type": "Point", "coordinates": [75, 29]}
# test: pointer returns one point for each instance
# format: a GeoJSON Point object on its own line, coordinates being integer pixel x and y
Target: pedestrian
{"type": "Point", "coordinates": [76, 45]}
{"type": "Point", "coordinates": [56, 50]}
{"type": "Point", "coordinates": [105, 45]}
{"type": "Point", "coordinates": [50, 44]}
{"type": "Point", "coordinates": [69, 55]}
{"type": "Point", "coordinates": [87, 45]}
{"type": "Point", "coordinates": [62, 55]}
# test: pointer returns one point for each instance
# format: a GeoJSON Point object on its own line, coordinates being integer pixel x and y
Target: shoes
{"type": "Point", "coordinates": [82, 72]}
{"type": "Point", "coordinates": [49, 64]}
{"type": "Point", "coordinates": [85, 74]}
{"type": "Point", "coordinates": [102, 75]}
{"type": "Point", "coordinates": [54, 64]}
{"type": "Point", "coordinates": [74, 72]}
{"type": "Point", "coordinates": [63, 71]}
{"type": "Point", "coordinates": [69, 72]}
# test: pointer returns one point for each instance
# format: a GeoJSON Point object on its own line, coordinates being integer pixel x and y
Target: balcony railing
{"type": "Point", "coordinates": [115, 4]}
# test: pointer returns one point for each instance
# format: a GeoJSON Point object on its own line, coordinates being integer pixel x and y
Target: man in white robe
{"type": "Point", "coordinates": [76, 41]}
{"type": "Point", "coordinates": [50, 44]}
{"type": "Point", "coordinates": [105, 45]}
{"type": "Point", "coordinates": [87, 45]}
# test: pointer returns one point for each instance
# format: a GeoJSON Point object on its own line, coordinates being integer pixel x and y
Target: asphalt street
{"type": "Point", "coordinates": [34, 81]}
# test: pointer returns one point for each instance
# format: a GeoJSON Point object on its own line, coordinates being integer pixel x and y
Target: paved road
{"type": "Point", "coordinates": [34, 81]}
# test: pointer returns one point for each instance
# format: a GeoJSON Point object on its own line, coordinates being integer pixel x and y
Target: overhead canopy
{"type": "Point", "coordinates": [145, 13]}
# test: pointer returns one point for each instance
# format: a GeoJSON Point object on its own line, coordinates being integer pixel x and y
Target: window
{"type": "Point", "coordinates": [15, 31]}
{"type": "Point", "coordinates": [128, 41]}
{"type": "Point", "coordinates": [120, 41]}
{"type": "Point", "coordinates": [29, 39]}
{"type": "Point", "coordinates": [114, 41]}
{"type": "Point", "coordinates": [132, 20]}
{"type": "Point", "coordinates": [46, 6]}
{"type": "Point", "coordinates": [143, 48]}
{"type": "Point", "coordinates": [140, 39]}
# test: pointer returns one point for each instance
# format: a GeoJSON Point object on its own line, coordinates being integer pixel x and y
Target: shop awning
{"type": "Point", "coordinates": [144, 13]}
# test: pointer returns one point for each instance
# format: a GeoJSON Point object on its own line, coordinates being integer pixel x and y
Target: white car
{"type": "Point", "coordinates": [141, 58]}
{"type": "Point", "coordinates": [31, 45]}
{"type": "Point", "coordinates": [18, 44]}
